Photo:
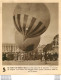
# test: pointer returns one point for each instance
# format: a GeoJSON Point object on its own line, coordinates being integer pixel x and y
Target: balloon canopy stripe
{"type": "Point", "coordinates": [31, 24]}
{"type": "Point", "coordinates": [16, 24]}
{"type": "Point", "coordinates": [18, 19]}
{"type": "Point", "coordinates": [24, 24]}
{"type": "Point", "coordinates": [39, 32]}
{"type": "Point", "coordinates": [36, 28]}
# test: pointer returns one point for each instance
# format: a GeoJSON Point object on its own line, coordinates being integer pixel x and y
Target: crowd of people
{"type": "Point", "coordinates": [30, 56]}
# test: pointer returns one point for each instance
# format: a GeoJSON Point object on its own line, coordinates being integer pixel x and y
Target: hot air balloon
{"type": "Point", "coordinates": [31, 20]}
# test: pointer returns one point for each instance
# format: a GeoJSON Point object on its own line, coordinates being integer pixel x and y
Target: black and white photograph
{"type": "Point", "coordinates": [30, 34]}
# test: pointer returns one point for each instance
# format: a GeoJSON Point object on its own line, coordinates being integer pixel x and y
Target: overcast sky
{"type": "Point", "coordinates": [8, 28]}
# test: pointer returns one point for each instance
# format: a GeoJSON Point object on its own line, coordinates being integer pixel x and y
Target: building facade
{"type": "Point", "coordinates": [11, 52]}
{"type": "Point", "coordinates": [9, 48]}
{"type": "Point", "coordinates": [14, 53]}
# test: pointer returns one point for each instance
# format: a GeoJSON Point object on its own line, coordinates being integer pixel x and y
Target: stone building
{"type": "Point", "coordinates": [11, 52]}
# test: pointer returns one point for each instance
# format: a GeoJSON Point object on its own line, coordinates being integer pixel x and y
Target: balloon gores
{"type": "Point", "coordinates": [31, 20]}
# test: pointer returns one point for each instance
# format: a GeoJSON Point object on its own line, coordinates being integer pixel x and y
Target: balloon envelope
{"type": "Point", "coordinates": [31, 20]}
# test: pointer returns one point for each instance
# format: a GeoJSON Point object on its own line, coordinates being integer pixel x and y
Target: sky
{"type": "Point", "coordinates": [8, 28]}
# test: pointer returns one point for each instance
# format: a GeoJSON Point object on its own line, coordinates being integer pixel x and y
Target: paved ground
{"type": "Point", "coordinates": [29, 62]}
